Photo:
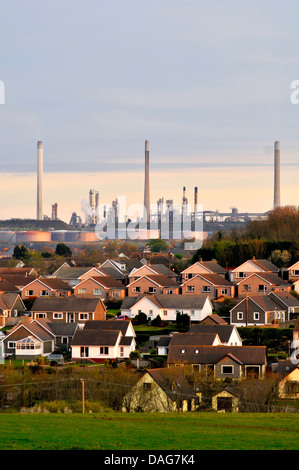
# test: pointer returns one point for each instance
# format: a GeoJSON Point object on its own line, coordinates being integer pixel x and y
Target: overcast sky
{"type": "Point", "coordinates": [206, 82]}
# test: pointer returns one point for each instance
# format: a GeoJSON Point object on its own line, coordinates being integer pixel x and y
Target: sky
{"type": "Point", "coordinates": [207, 82]}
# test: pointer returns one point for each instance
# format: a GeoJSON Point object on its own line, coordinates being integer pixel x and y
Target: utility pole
{"type": "Point", "coordinates": [83, 396]}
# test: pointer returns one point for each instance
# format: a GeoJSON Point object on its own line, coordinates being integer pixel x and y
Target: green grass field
{"type": "Point", "coordinates": [141, 431]}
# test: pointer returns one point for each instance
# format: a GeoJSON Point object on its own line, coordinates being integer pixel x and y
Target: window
{"type": "Point", "coordinates": [136, 289]}
{"type": "Point", "coordinates": [147, 386]}
{"type": "Point", "coordinates": [84, 351]}
{"type": "Point", "coordinates": [11, 345]}
{"type": "Point", "coordinates": [152, 290]}
{"type": "Point", "coordinates": [82, 290]}
{"type": "Point", "coordinates": [256, 316]}
{"type": "Point", "coordinates": [241, 274]}
{"type": "Point", "coordinates": [206, 288]}
{"type": "Point", "coordinates": [192, 312]}
{"type": "Point", "coordinates": [104, 350]}
{"type": "Point", "coordinates": [190, 288]}
{"type": "Point", "coordinates": [188, 275]}
{"type": "Point", "coordinates": [83, 316]}
{"type": "Point", "coordinates": [97, 291]}
{"type": "Point", "coordinates": [151, 312]}
{"type": "Point", "coordinates": [64, 340]}
{"type": "Point", "coordinates": [239, 315]}
{"type": "Point", "coordinates": [40, 315]}
{"type": "Point", "coordinates": [296, 272]}
{"type": "Point", "coordinates": [262, 288]}
{"type": "Point", "coordinates": [57, 316]}
{"type": "Point", "coordinates": [44, 293]}
{"type": "Point", "coordinates": [224, 291]}
{"type": "Point", "coordinates": [29, 293]}
{"type": "Point", "coordinates": [165, 313]}
{"type": "Point", "coordinates": [121, 351]}
{"type": "Point", "coordinates": [169, 292]}
{"type": "Point", "coordinates": [183, 351]}
{"type": "Point", "coordinates": [247, 287]}
{"type": "Point", "coordinates": [227, 369]}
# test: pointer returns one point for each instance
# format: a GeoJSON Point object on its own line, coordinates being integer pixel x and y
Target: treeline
{"type": "Point", "coordinates": [276, 238]}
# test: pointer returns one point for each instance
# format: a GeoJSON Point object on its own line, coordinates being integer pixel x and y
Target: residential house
{"type": "Point", "coordinates": [221, 362]}
{"type": "Point", "coordinates": [290, 274]}
{"type": "Point", "coordinates": [120, 268]}
{"type": "Point", "coordinates": [228, 334]}
{"type": "Point", "coordinates": [288, 386]}
{"type": "Point", "coordinates": [167, 306]}
{"type": "Point", "coordinates": [102, 340]}
{"type": "Point", "coordinates": [35, 338]}
{"type": "Point", "coordinates": [203, 267]}
{"type": "Point", "coordinates": [72, 309]}
{"type": "Point", "coordinates": [225, 401]}
{"type": "Point", "coordinates": [162, 390]}
{"type": "Point", "coordinates": [11, 308]}
{"type": "Point", "coordinates": [288, 302]}
{"type": "Point", "coordinates": [70, 274]}
{"type": "Point", "coordinates": [46, 287]}
{"type": "Point", "coordinates": [105, 287]}
{"type": "Point", "coordinates": [152, 284]}
{"type": "Point", "coordinates": [261, 283]}
{"type": "Point", "coordinates": [250, 267]}
{"type": "Point", "coordinates": [214, 285]}
{"type": "Point", "coordinates": [213, 319]}
{"type": "Point", "coordinates": [258, 310]}
{"type": "Point", "coordinates": [150, 269]}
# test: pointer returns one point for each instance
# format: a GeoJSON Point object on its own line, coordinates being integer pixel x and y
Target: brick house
{"type": "Point", "coordinates": [152, 284]}
{"type": "Point", "coordinates": [250, 267]}
{"type": "Point", "coordinates": [261, 283]}
{"type": "Point", "coordinates": [46, 287]}
{"type": "Point", "coordinates": [212, 284]}
{"type": "Point", "coordinates": [258, 310]}
{"type": "Point", "coordinates": [203, 267]}
{"type": "Point", "coordinates": [103, 287]}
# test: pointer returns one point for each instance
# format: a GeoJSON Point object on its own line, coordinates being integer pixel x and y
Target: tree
{"type": "Point", "coordinates": [63, 250]}
{"type": "Point", "coordinates": [157, 245]}
{"type": "Point", "coordinates": [20, 252]}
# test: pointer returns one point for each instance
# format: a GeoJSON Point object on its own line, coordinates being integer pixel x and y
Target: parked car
{"type": "Point", "coordinates": [123, 317]}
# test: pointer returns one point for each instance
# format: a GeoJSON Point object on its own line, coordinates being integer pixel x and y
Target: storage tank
{"type": "Point", "coordinates": [58, 236]}
{"type": "Point", "coordinates": [33, 236]}
{"type": "Point", "coordinates": [7, 236]}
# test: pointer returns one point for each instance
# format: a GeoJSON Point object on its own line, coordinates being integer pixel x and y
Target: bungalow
{"type": "Point", "coordinates": [221, 362]}
{"type": "Point", "coordinates": [152, 284]}
{"type": "Point", "coordinates": [287, 301]}
{"type": "Point", "coordinates": [212, 284]}
{"type": "Point", "coordinates": [38, 338]}
{"type": "Point", "coordinates": [72, 309]}
{"type": "Point", "coordinates": [11, 307]}
{"type": "Point", "coordinates": [261, 283]}
{"type": "Point", "coordinates": [250, 267]}
{"type": "Point", "coordinates": [150, 269]}
{"type": "Point", "coordinates": [203, 267]}
{"type": "Point", "coordinates": [167, 306]}
{"type": "Point", "coordinates": [46, 287]}
{"type": "Point", "coordinates": [101, 286]}
{"type": "Point", "coordinates": [162, 390]}
{"type": "Point", "coordinates": [258, 310]}
{"type": "Point", "coordinates": [102, 340]}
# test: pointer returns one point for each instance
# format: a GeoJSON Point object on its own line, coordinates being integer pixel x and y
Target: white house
{"type": "Point", "coordinates": [166, 306]}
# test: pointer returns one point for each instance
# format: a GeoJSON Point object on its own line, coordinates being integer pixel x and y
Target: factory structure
{"type": "Point", "coordinates": [163, 219]}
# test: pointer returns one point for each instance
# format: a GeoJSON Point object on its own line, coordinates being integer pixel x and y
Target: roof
{"type": "Point", "coordinates": [33, 329]}
{"type": "Point", "coordinates": [212, 266]}
{"type": "Point", "coordinates": [70, 272]}
{"type": "Point", "coordinates": [106, 281]}
{"type": "Point", "coordinates": [72, 303]}
{"type": "Point", "coordinates": [193, 339]}
{"type": "Point", "coordinates": [110, 325]}
{"type": "Point", "coordinates": [265, 302]}
{"type": "Point", "coordinates": [56, 328]}
{"type": "Point", "coordinates": [183, 301]}
{"type": "Point", "coordinates": [7, 286]}
{"type": "Point", "coordinates": [248, 355]}
{"type": "Point", "coordinates": [214, 318]}
{"type": "Point", "coordinates": [272, 278]}
{"type": "Point", "coordinates": [215, 279]}
{"type": "Point", "coordinates": [90, 337]}
{"type": "Point", "coordinates": [9, 299]}
{"type": "Point", "coordinates": [18, 280]}
{"type": "Point", "coordinates": [52, 282]}
{"type": "Point", "coordinates": [285, 297]}
{"type": "Point", "coordinates": [261, 264]}
{"type": "Point", "coordinates": [224, 331]}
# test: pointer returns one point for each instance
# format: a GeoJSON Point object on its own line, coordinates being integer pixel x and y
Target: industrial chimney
{"type": "Point", "coordinates": [276, 174]}
{"type": "Point", "coordinates": [146, 216]}
{"type": "Point", "coordinates": [39, 180]}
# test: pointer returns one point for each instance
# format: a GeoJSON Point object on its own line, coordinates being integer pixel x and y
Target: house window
{"type": "Point", "coordinates": [292, 387]}
{"type": "Point", "coordinates": [227, 369]}
{"type": "Point", "coordinates": [83, 316]}
{"type": "Point", "coordinates": [239, 315]}
{"type": "Point", "coordinates": [206, 288]}
{"type": "Point", "coordinates": [122, 352]}
{"type": "Point", "coordinates": [57, 316]}
{"type": "Point", "coordinates": [97, 291]}
{"type": "Point", "coordinates": [136, 289]}
{"type": "Point", "coordinates": [29, 293]}
{"type": "Point", "coordinates": [241, 274]}
{"type": "Point", "coordinates": [11, 345]}
{"type": "Point", "coordinates": [262, 288]}
{"type": "Point", "coordinates": [40, 315]}
{"type": "Point", "coordinates": [169, 292]}
{"type": "Point", "coordinates": [296, 272]}
{"type": "Point", "coordinates": [44, 293]}
{"type": "Point", "coordinates": [224, 291]}
{"type": "Point", "coordinates": [190, 288]}
{"type": "Point", "coordinates": [183, 351]}
{"type": "Point", "coordinates": [84, 351]}
{"type": "Point", "coordinates": [151, 312]}
{"type": "Point", "coordinates": [104, 350]}
{"type": "Point", "coordinates": [165, 313]}
{"type": "Point", "coordinates": [256, 316]}
{"type": "Point", "coordinates": [147, 386]}
{"type": "Point", "coordinates": [82, 290]}
{"type": "Point", "coordinates": [192, 312]}
{"type": "Point", "coordinates": [152, 290]}
{"type": "Point", "coordinates": [188, 275]}
{"type": "Point", "coordinates": [64, 340]}
{"type": "Point", "coordinates": [247, 287]}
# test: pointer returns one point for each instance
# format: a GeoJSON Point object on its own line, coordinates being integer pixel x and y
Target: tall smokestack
{"type": "Point", "coordinates": [195, 201]}
{"type": "Point", "coordinates": [39, 180]}
{"type": "Point", "coordinates": [146, 186]}
{"type": "Point", "coordinates": [276, 174]}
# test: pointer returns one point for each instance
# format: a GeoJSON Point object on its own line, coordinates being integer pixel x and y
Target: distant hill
{"type": "Point", "coordinates": [32, 224]}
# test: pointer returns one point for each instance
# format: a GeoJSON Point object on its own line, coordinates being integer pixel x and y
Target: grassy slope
{"type": "Point", "coordinates": [116, 431]}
